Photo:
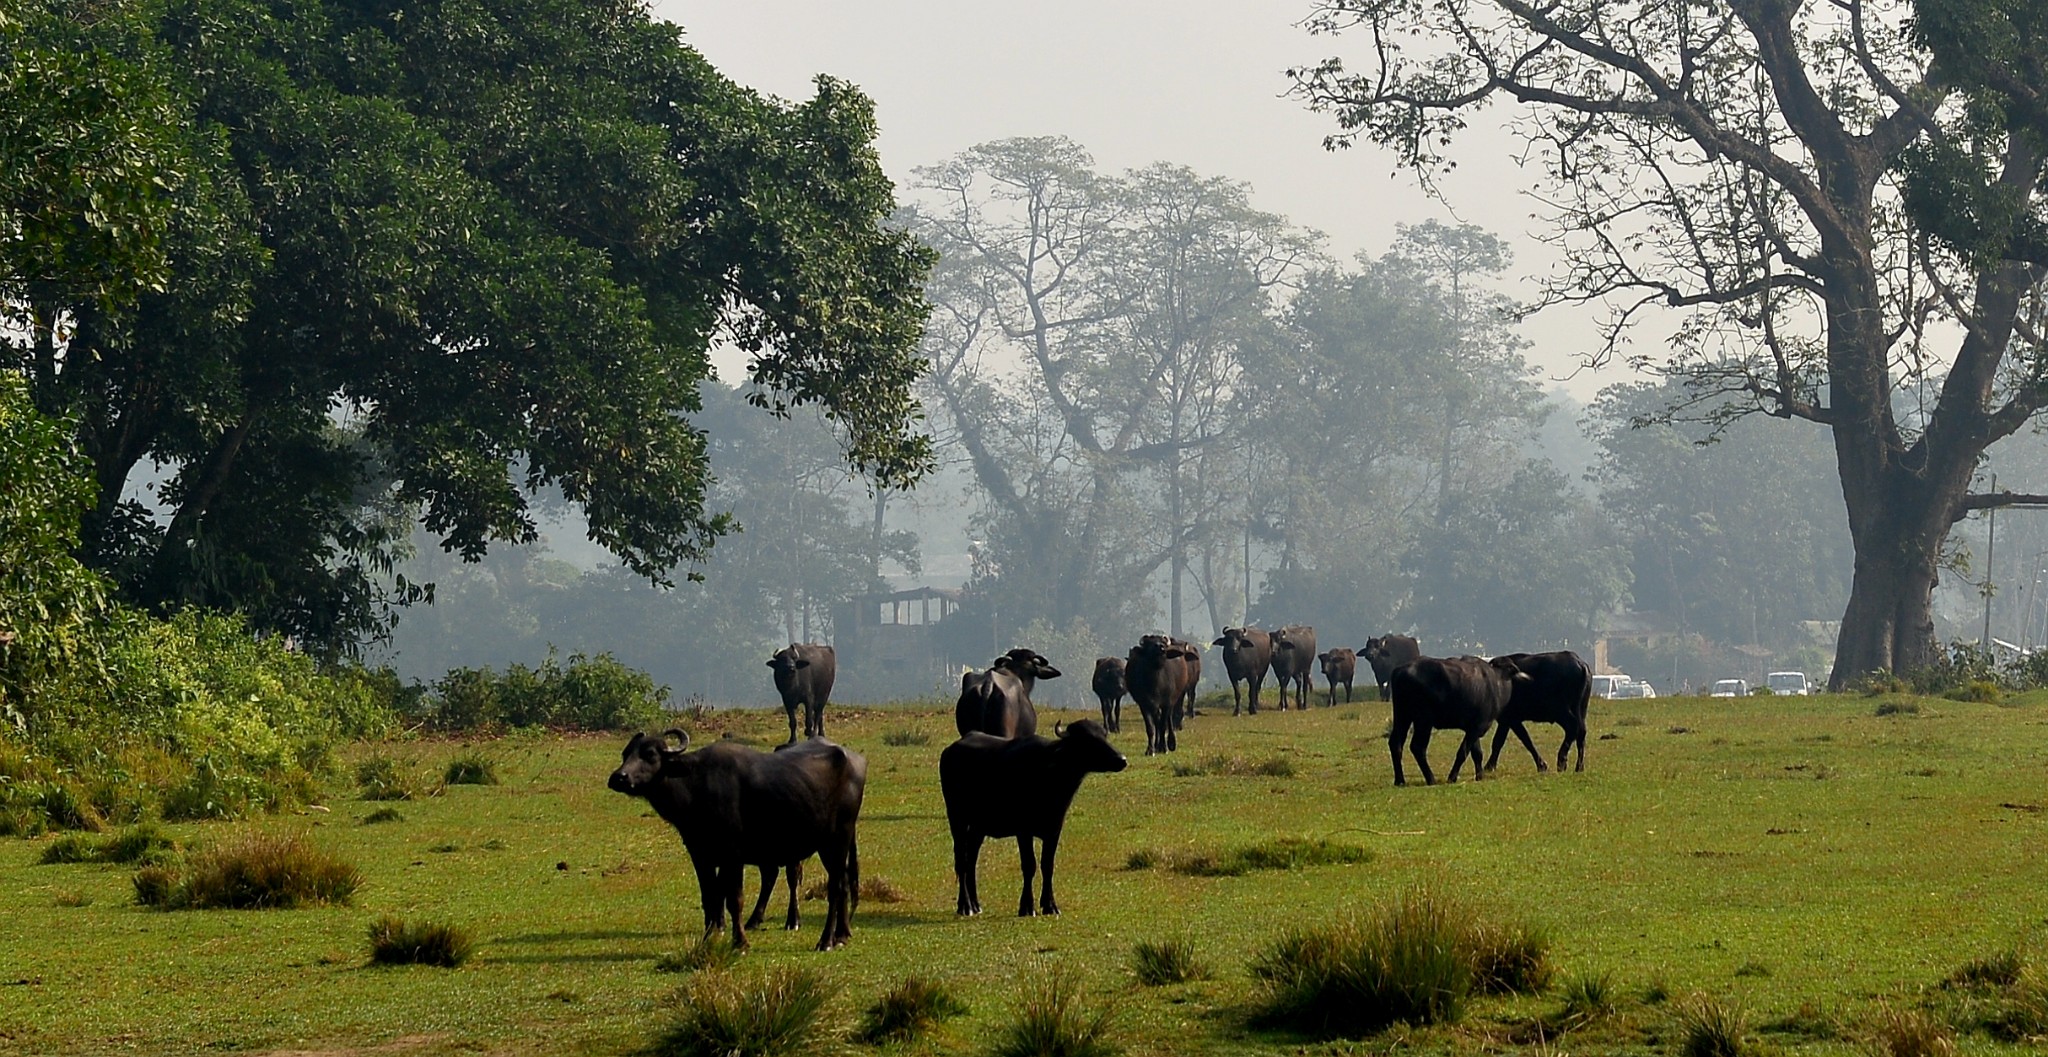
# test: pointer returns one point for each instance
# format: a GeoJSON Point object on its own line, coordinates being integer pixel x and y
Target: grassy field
{"type": "Point", "coordinates": [1803, 859]}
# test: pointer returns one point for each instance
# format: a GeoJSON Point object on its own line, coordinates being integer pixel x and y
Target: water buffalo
{"type": "Point", "coordinates": [735, 806]}
{"type": "Point", "coordinates": [997, 700]}
{"type": "Point", "coordinates": [1194, 687]}
{"type": "Point", "coordinates": [1558, 691]}
{"type": "Point", "coordinates": [1386, 653]}
{"type": "Point", "coordinates": [1109, 688]}
{"type": "Point", "coordinates": [1448, 693]}
{"type": "Point", "coordinates": [1339, 665]}
{"type": "Point", "coordinates": [1017, 787]}
{"type": "Point", "coordinates": [1247, 653]}
{"type": "Point", "coordinates": [1157, 673]}
{"type": "Point", "coordinates": [1294, 662]}
{"type": "Point", "coordinates": [803, 676]}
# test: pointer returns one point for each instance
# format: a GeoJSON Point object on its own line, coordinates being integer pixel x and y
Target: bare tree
{"type": "Point", "coordinates": [1737, 163]}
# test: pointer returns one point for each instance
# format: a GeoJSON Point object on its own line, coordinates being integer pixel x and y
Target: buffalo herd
{"type": "Point", "coordinates": [736, 806]}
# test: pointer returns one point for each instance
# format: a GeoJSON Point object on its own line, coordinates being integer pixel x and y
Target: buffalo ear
{"type": "Point", "coordinates": [803, 663]}
{"type": "Point", "coordinates": [1220, 642]}
{"type": "Point", "coordinates": [1324, 656]}
{"type": "Point", "coordinates": [771, 662]}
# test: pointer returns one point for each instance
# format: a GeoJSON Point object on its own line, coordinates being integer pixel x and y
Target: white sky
{"type": "Point", "coordinates": [1195, 82]}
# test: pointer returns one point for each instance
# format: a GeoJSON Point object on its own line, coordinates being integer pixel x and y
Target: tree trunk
{"type": "Point", "coordinates": [1898, 523]}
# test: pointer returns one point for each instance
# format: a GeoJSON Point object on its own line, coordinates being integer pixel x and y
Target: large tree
{"type": "Point", "coordinates": [442, 258]}
{"type": "Point", "coordinates": [1741, 164]}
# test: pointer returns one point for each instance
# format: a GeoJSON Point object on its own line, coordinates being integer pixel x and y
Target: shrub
{"type": "Point", "coordinates": [1711, 1029]}
{"type": "Point", "coordinates": [1895, 1032]}
{"type": "Point", "coordinates": [471, 768]}
{"type": "Point", "coordinates": [719, 1014]}
{"type": "Point", "coordinates": [255, 871]}
{"type": "Point", "coordinates": [901, 738]}
{"type": "Point", "coordinates": [1404, 962]}
{"type": "Point", "coordinates": [394, 941]}
{"type": "Point", "coordinates": [713, 951]}
{"type": "Point", "coordinates": [381, 777]}
{"type": "Point", "coordinates": [1157, 963]}
{"type": "Point", "coordinates": [1051, 1020]}
{"type": "Point", "coordinates": [590, 693]}
{"type": "Point", "coordinates": [907, 1011]}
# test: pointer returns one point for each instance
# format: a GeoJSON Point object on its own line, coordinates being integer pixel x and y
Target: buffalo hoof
{"type": "Point", "coordinates": [1049, 911]}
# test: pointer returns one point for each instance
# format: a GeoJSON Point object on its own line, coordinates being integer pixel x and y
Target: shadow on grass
{"type": "Point", "coordinates": [578, 937]}
{"type": "Point", "coordinates": [575, 959]}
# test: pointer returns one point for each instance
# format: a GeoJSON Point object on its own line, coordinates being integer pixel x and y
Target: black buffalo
{"type": "Point", "coordinates": [1294, 662]}
{"type": "Point", "coordinates": [1386, 653]}
{"type": "Point", "coordinates": [1559, 688]}
{"type": "Point", "coordinates": [803, 676]}
{"type": "Point", "coordinates": [1448, 693]}
{"type": "Point", "coordinates": [1109, 688]}
{"type": "Point", "coordinates": [1247, 653]}
{"type": "Point", "coordinates": [1340, 665]}
{"type": "Point", "coordinates": [1194, 687]}
{"type": "Point", "coordinates": [1157, 673]}
{"type": "Point", "coordinates": [1017, 787]}
{"type": "Point", "coordinates": [997, 700]}
{"type": "Point", "coordinates": [736, 806]}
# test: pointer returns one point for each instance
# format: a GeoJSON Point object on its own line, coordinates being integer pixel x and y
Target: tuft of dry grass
{"type": "Point", "coordinates": [908, 1011]}
{"type": "Point", "coordinates": [1157, 963]}
{"type": "Point", "coordinates": [721, 1014]}
{"type": "Point", "coordinates": [394, 941]}
{"type": "Point", "coordinates": [1052, 1017]}
{"type": "Point", "coordinates": [254, 871]}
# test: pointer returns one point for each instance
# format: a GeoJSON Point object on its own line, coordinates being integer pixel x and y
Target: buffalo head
{"type": "Point", "coordinates": [789, 659]}
{"type": "Point", "coordinates": [643, 759]}
{"type": "Point", "coordinates": [1086, 744]}
{"type": "Point", "coordinates": [1026, 662]}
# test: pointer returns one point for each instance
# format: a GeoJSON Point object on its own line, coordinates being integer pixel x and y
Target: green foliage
{"type": "Point", "coordinates": [590, 693]}
{"type": "Point", "coordinates": [908, 1011]}
{"type": "Point", "coordinates": [250, 872]}
{"type": "Point", "coordinates": [1157, 963]}
{"type": "Point", "coordinates": [1052, 1018]}
{"type": "Point", "coordinates": [50, 605]}
{"type": "Point", "coordinates": [1981, 691]}
{"type": "Point", "coordinates": [395, 941]}
{"type": "Point", "coordinates": [724, 1014]}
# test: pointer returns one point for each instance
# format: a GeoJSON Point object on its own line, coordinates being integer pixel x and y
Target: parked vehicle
{"type": "Point", "coordinates": [1730, 688]}
{"type": "Point", "coordinates": [1606, 685]}
{"type": "Point", "coordinates": [1793, 683]}
{"type": "Point", "coordinates": [1635, 688]}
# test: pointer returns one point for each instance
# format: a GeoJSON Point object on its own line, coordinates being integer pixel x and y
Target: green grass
{"type": "Point", "coordinates": [397, 941]}
{"type": "Point", "coordinates": [910, 1010]}
{"type": "Point", "coordinates": [1668, 865]}
{"type": "Point", "coordinates": [725, 1014]}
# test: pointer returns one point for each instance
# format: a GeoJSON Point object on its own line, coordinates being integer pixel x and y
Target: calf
{"type": "Point", "coordinates": [1157, 673]}
{"type": "Point", "coordinates": [735, 806]}
{"type": "Point", "coordinates": [1386, 653]}
{"type": "Point", "coordinates": [1559, 688]}
{"type": "Point", "coordinates": [1247, 653]}
{"type": "Point", "coordinates": [1339, 665]}
{"type": "Point", "coordinates": [1109, 690]}
{"type": "Point", "coordinates": [1187, 702]}
{"type": "Point", "coordinates": [1448, 693]}
{"type": "Point", "coordinates": [998, 700]}
{"type": "Point", "coordinates": [1017, 787]}
{"type": "Point", "coordinates": [1294, 662]}
{"type": "Point", "coordinates": [803, 676]}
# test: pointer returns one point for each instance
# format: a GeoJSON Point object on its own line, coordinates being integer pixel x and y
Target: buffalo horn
{"type": "Point", "coordinates": [1059, 729]}
{"type": "Point", "coordinates": [682, 738]}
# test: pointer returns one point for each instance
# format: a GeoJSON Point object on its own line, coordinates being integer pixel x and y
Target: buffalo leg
{"type": "Point", "coordinates": [1236, 698]}
{"type": "Point", "coordinates": [1046, 903]}
{"type": "Point", "coordinates": [841, 881]}
{"type": "Point", "coordinates": [732, 879]}
{"type": "Point", "coordinates": [768, 875]}
{"type": "Point", "coordinates": [1385, 694]}
{"type": "Point", "coordinates": [796, 880]}
{"type": "Point", "coordinates": [1116, 715]}
{"type": "Point", "coordinates": [708, 893]}
{"type": "Point", "coordinates": [1029, 863]}
{"type": "Point", "coordinates": [790, 710]}
{"type": "Point", "coordinates": [1395, 736]}
{"type": "Point", "coordinates": [966, 853]}
{"type": "Point", "coordinates": [1418, 747]}
{"type": "Point", "coordinates": [1500, 737]}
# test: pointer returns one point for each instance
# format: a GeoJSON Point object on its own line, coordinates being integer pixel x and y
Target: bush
{"type": "Point", "coordinates": [1050, 1020]}
{"type": "Point", "coordinates": [719, 1014]}
{"type": "Point", "coordinates": [590, 694]}
{"type": "Point", "coordinates": [1157, 963]}
{"type": "Point", "coordinates": [471, 768]}
{"type": "Point", "coordinates": [1711, 1029]}
{"type": "Point", "coordinates": [255, 871]}
{"type": "Point", "coordinates": [397, 942]}
{"type": "Point", "coordinates": [1413, 959]}
{"type": "Point", "coordinates": [907, 1011]}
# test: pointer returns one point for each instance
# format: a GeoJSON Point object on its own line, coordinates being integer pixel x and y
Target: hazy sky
{"type": "Point", "coordinates": [1195, 82]}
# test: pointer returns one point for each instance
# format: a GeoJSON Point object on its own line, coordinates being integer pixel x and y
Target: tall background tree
{"type": "Point", "coordinates": [441, 260]}
{"type": "Point", "coordinates": [1752, 167]}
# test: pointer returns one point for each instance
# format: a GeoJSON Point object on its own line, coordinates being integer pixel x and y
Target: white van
{"type": "Point", "coordinates": [1730, 688]}
{"type": "Point", "coordinates": [1606, 685]}
{"type": "Point", "coordinates": [1792, 683]}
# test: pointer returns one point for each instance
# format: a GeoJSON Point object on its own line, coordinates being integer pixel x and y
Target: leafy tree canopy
{"type": "Point", "coordinates": [439, 257]}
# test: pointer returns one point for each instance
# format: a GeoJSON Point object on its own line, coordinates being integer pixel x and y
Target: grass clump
{"type": "Point", "coordinates": [908, 1011]}
{"type": "Point", "coordinates": [394, 941]}
{"type": "Point", "coordinates": [1896, 708]}
{"type": "Point", "coordinates": [901, 738]}
{"type": "Point", "coordinates": [257, 871]}
{"type": "Point", "coordinates": [1980, 691]}
{"type": "Point", "coordinates": [70, 848]}
{"type": "Point", "coordinates": [1509, 959]}
{"type": "Point", "coordinates": [471, 768]}
{"type": "Point", "coordinates": [714, 951]}
{"type": "Point", "coordinates": [1235, 767]}
{"type": "Point", "coordinates": [1051, 1019]}
{"type": "Point", "coordinates": [1157, 963]}
{"type": "Point", "coordinates": [719, 1014]}
{"type": "Point", "coordinates": [1281, 853]}
{"type": "Point", "coordinates": [1588, 998]}
{"type": "Point", "coordinates": [1896, 1032]}
{"type": "Point", "coordinates": [1708, 1028]}
{"type": "Point", "coordinates": [383, 814]}
{"type": "Point", "coordinates": [129, 846]}
{"type": "Point", "coordinates": [381, 777]}
{"type": "Point", "coordinates": [72, 898]}
{"type": "Point", "coordinates": [2002, 969]}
